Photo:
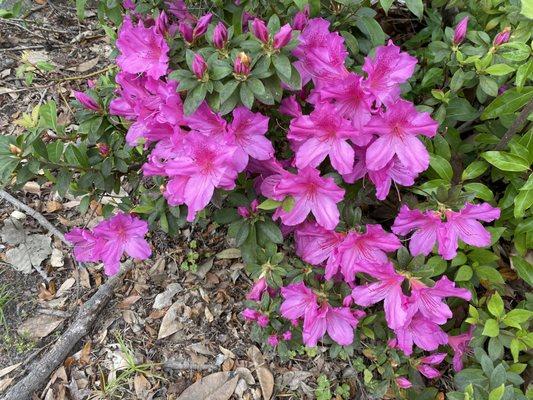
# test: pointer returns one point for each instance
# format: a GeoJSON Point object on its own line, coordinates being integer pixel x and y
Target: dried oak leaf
{"type": "Point", "coordinates": [217, 386]}
{"type": "Point", "coordinates": [266, 379]}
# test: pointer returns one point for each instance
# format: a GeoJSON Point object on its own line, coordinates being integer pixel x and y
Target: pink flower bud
{"type": "Point", "coordinates": [246, 17]}
{"type": "Point", "coordinates": [300, 19]}
{"type": "Point", "coordinates": [201, 26]}
{"type": "Point", "coordinates": [242, 64]}
{"type": "Point", "coordinates": [257, 290]}
{"type": "Point", "coordinates": [199, 66]}
{"type": "Point", "coordinates": [273, 340]}
{"type": "Point", "coordinates": [220, 36]}
{"type": "Point", "coordinates": [103, 149]}
{"type": "Point", "coordinates": [404, 383]}
{"type": "Point", "coordinates": [91, 83]}
{"type": "Point", "coordinates": [162, 23]}
{"type": "Point", "coordinates": [283, 36]}
{"type": "Point", "coordinates": [253, 205]}
{"type": "Point", "coordinates": [250, 315]}
{"type": "Point", "coordinates": [502, 37]}
{"type": "Point", "coordinates": [86, 101]}
{"type": "Point", "coordinates": [502, 89]}
{"type": "Point", "coordinates": [260, 30]}
{"type": "Point", "coordinates": [428, 371]}
{"type": "Point", "coordinates": [263, 321]}
{"type": "Point", "coordinates": [243, 212]}
{"type": "Point", "coordinates": [460, 31]}
{"type": "Point", "coordinates": [186, 32]}
{"type": "Point", "coordinates": [287, 335]}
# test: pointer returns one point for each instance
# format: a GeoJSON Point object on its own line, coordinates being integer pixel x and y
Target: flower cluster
{"type": "Point", "coordinates": [109, 240]}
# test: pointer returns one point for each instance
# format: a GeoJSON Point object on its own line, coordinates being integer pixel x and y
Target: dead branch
{"type": "Point", "coordinates": [41, 370]}
{"type": "Point", "coordinates": [181, 365]}
{"type": "Point", "coordinates": [35, 214]}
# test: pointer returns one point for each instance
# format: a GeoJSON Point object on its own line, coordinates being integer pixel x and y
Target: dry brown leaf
{"type": "Point", "coordinates": [65, 286]}
{"type": "Point", "coordinates": [141, 385]}
{"type": "Point", "coordinates": [53, 206]}
{"type": "Point", "coordinates": [217, 386]}
{"type": "Point", "coordinates": [170, 324]}
{"type": "Point", "coordinates": [128, 302]}
{"type": "Point", "coordinates": [266, 379]}
{"type": "Point", "coordinates": [7, 370]}
{"type": "Point", "coordinates": [229, 254]}
{"type": "Point", "coordinates": [4, 383]}
{"type": "Point", "coordinates": [39, 326]}
{"type": "Point", "coordinates": [85, 66]}
{"type": "Point", "coordinates": [85, 354]}
{"type": "Point", "coordinates": [32, 187]}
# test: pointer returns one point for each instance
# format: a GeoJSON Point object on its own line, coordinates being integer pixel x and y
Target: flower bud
{"type": "Point", "coordinates": [91, 83]}
{"type": "Point", "coordinates": [128, 4]}
{"type": "Point", "coordinates": [242, 64]}
{"type": "Point", "coordinates": [257, 290]}
{"type": "Point", "coordinates": [300, 19]}
{"type": "Point", "coordinates": [246, 17]}
{"type": "Point", "coordinates": [404, 383]}
{"type": "Point", "coordinates": [260, 30]}
{"type": "Point", "coordinates": [287, 335]}
{"type": "Point", "coordinates": [220, 36]}
{"type": "Point", "coordinates": [283, 36]}
{"type": "Point", "coordinates": [250, 315]}
{"type": "Point", "coordinates": [199, 66]}
{"type": "Point", "coordinates": [86, 101]}
{"type": "Point", "coordinates": [263, 320]}
{"type": "Point", "coordinates": [460, 31]}
{"type": "Point", "coordinates": [162, 23]}
{"type": "Point", "coordinates": [186, 32]}
{"type": "Point", "coordinates": [103, 149]}
{"type": "Point", "coordinates": [16, 151]}
{"type": "Point", "coordinates": [243, 212]}
{"type": "Point", "coordinates": [201, 25]}
{"type": "Point", "coordinates": [502, 37]}
{"type": "Point", "coordinates": [273, 340]}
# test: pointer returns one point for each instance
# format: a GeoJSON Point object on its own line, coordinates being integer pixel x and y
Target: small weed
{"type": "Point", "coordinates": [189, 264]}
{"type": "Point", "coordinates": [5, 297]}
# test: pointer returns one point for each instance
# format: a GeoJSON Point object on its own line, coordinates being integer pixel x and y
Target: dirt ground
{"type": "Point", "coordinates": [163, 320]}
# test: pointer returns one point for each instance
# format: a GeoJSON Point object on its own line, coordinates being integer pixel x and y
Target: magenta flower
{"type": "Point", "coordinates": [241, 65]}
{"type": "Point", "coordinates": [142, 50]}
{"type": "Point", "coordinates": [460, 31]}
{"type": "Point", "coordinates": [199, 66]}
{"type": "Point", "coordinates": [314, 244]}
{"type": "Point", "coordinates": [250, 314]}
{"type": "Point", "coordinates": [403, 382]}
{"type": "Point", "coordinates": [205, 164]}
{"type": "Point", "coordinates": [420, 331]}
{"type": "Point", "coordinates": [502, 37]}
{"type": "Point", "coordinates": [283, 37]}
{"type": "Point", "coordinates": [387, 288]}
{"type": "Point", "coordinates": [260, 30]}
{"type": "Point", "coordinates": [287, 335]}
{"type": "Point", "coordinates": [128, 4]}
{"type": "Point", "coordinates": [325, 133]}
{"type": "Point", "coordinates": [429, 300]}
{"type": "Point", "coordinates": [201, 26]}
{"type": "Point", "coordinates": [429, 227]}
{"type": "Point", "coordinates": [178, 8]}
{"type": "Point", "coordinates": [386, 71]}
{"type": "Point", "coordinates": [87, 246]}
{"type": "Point", "coordinates": [273, 340]}
{"type": "Point", "coordinates": [87, 101]}
{"type": "Point", "coordinates": [459, 345]}
{"type": "Point", "coordinates": [397, 128]}
{"type": "Point", "coordinates": [289, 106]}
{"type": "Point", "coordinates": [425, 365]}
{"type": "Point", "coordinates": [120, 234]}
{"type": "Point", "coordinates": [338, 322]}
{"type": "Point", "coordinates": [257, 290]}
{"type": "Point", "coordinates": [186, 31]}
{"type": "Point", "coordinates": [220, 36]}
{"type": "Point", "coordinates": [311, 193]}
{"type": "Point", "coordinates": [298, 301]}
{"type": "Point", "coordinates": [206, 121]}
{"type": "Point", "coordinates": [300, 19]}
{"type": "Point", "coordinates": [162, 24]}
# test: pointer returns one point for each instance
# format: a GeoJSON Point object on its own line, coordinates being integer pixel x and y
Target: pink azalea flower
{"type": "Point", "coordinates": [338, 322]}
{"type": "Point", "coordinates": [142, 50]}
{"type": "Point", "coordinates": [397, 128]}
{"type": "Point", "coordinates": [301, 18]}
{"type": "Point", "coordinates": [360, 252]}
{"type": "Point", "coordinates": [314, 244]}
{"type": "Point", "coordinates": [325, 133]}
{"type": "Point", "coordinates": [429, 300]}
{"type": "Point", "coordinates": [206, 164]}
{"type": "Point", "coordinates": [87, 101]}
{"type": "Point", "coordinates": [389, 289]}
{"type": "Point", "coordinates": [298, 301]}
{"type": "Point", "coordinates": [289, 106]}
{"type": "Point", "coordinates": [250, 314]}
{"type": "Point", "coordinates": [403, 382]}
{"type": "Point", "coordinates": [273, 340]}
{"type": "Point", "coordinates": [420, 331]}
{"type": "Point", "coordinates": [220, 36]}
{"type": "Point", "coordinates": [311, 193]}
{"type": "Point", "coordinates": [257, 290]}
{"type": "Point", "coordinates": [260, 30]}
{"type": "Point", "coordinates": [459, 345]}
{"type": "Point", "coordinates": [123, 233]}
{"type": "Point", "coordinates": [283, 37]}
{"type": "Point", "coordinates": [425, 365]}
{"type": "Point", "coordinates": [287, 335]}
{"type": "Point", "coordinates": [429, 228]}
{"type": "Point", "coordinates": [386, 70]}
{"type": "Point", "coordinates": [87, 247]}
{"type": "Point", "coordinates": [459, 33]}
{"type": "Point", "coordinates": [178, 8]}
{"type": "Point", "coordinates": [502, 37]}
{"type": "Point", "coordinates": [263, 320]}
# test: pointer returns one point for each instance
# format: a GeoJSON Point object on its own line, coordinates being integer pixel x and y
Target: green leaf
{"type": "Point", "coordinates": [64, 178]}
{"type": "Point", "coordinates": [460, 109]}
{"type": "Point", "coordinates": [227, 90]}
{"type": "Point", "coordinates": [219, 70]}
{"type": "Point", "coordinates": [523, 268]}
{"type": "Point", "coordinates": [416, 7]}
{"type": "Point", "coordinates": [269, 204]}
{"type": "Point", "coordinates": [464, 274]}
{"type": "Point", "coordinates": [80, 9]}
{"type": "Point", "coordinates": [499, 69]}
{"type": "Point", "coordinates": [509, 102]}
{"type": "Point", "coordinates": [516, 317]}
{"type": "Point", "coordinates": [491, 328]}
{"type": "Point", "coordinates": [506, 161]}
{"type": "Point", "coordinates": [237, 20]}
{"type": "Point", "coordinates": [488, 85]}
{"type": "Point", "coordinates": [55, 151]}
{"type": "Point", "coordinates": [495, 305]}
{"type": "Point", "coordinates": [497, 393]}
{"type": "Point", "coordinates": [386, 4]}
{"type": "Point", "coordinates": [270, 230]}
{"type": "Point", "coordinates": [522, 202]}
{"type": "Point", "coordinates": [475, 169]}
{"type": "Point", "coordinates": [247, 96]}
{"type": "Point", "coordinates": [282, 64]}
{"type": "Point", "coordinates": [523, 73]}
{"type": "Point", "coordinates": [527, 8]}
{"type": "Point", "coordinates": [457, 80]}
{"type": "Point", "coordinates": [487, 273]}
{"type": "Point", "coordinates": [48, 116]}
{"type": "Point", "coordinates": [371, 28]}
{"type": "Point", "coordinates": [479, 190]}
{"type": "Point", "coordinates": [441, 166]}
{"type": "Point", "coordinates": [256, 86]}
{"type": "Point", "coordinates": [194, 99]}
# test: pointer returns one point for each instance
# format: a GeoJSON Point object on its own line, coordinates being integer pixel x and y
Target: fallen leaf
{"type": "Point", "coordinates": [128, 302]}
{"type": "Point", "coordinates": [39, 327]}
{"type": "Point", "coordinates": [164, 299]}
{"type": "Point", "coordinates": [141, 385]}
{"type": "Point", "coordinates": [85, 66]}
{"type": "Point", "coordinates": [32, 187]}
{"type": "Point", "coordinates": [217, 386]}
{"type": "Point", "coordinates": [229, 254]}
{"type": "Point", "coordinates": [13, 232]}
{"type": "Point", "coordinates": [293, 379]}
{"type": "Point", "coordinates": [56, 260]}
{"type": "Point", "coordinates": [7, 370]}
{"type": "Point", "coordinates": [169, 324]}
{"type": "Point", "coordinates": [53, 206]}
{"type": "Point", "coordinates": [31, 253]}
{"type": "Point", "coordinates": [204, 268]}
{"type": "Point", "coordinates": [65, 287]}
{"type": "Point", "coordinates": [4, 383]}
{"type": "Point", "coordinates": [266, 379]}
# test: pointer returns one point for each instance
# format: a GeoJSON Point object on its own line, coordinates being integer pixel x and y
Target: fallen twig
{"type": "Point", "coordinates": [41, 370]}
{"type": "Point", "coordinates": [36, 215]}
{"type": "Point", "coordinates": [187, 365]}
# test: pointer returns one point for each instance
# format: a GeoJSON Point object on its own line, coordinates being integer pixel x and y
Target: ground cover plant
{"type": "Point", "coordinates": [375, 175]}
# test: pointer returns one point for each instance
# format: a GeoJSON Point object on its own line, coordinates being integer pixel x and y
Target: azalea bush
{"type": "Point", "coordinates": [375, 176]}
